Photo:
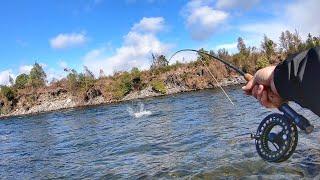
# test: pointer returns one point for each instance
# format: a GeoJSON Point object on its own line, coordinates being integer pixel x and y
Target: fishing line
{"type": "Point", "coordinates": [216, 80]}
{"type": "Point", "coordinates": [211, 74]}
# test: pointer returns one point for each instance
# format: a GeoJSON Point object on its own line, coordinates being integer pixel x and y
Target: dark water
{"type": "Point", "coordinates": [190, 135]}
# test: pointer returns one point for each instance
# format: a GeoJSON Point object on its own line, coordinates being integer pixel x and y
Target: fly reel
{"type": "Point", "coordinates": [277, 136]}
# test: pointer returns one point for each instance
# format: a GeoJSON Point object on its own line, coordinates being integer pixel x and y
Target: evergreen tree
{"type": "Point", "coordinates": [268, 47]}
{"type": "Point", "coordinates": [21, 81]}
{"type": "Point", "coordinates": [37, 77]}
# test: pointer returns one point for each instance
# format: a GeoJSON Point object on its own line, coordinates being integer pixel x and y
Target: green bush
{"type": "Point", "coordinates": [121, 86]}
{"type": "Point", "coordinates": [262, 62]}
{"type": "Point", "coordinates": [125, 83]}
{"type": "Point", "coordinates": [78, 83]}
{"type": "Point", "coordinates": [21, 81]}
{"type": "Point", "coordinates": [159, 86]}
{"type": "Point", "coordinates": [7, 92]}
{"type": "Point", "coordinates": [72, 78]}
{"type": "Point", "coordinates": [136, 79]}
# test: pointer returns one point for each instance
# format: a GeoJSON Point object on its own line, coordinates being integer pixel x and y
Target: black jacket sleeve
{"type": "Point", "coordinates": [298, 79]}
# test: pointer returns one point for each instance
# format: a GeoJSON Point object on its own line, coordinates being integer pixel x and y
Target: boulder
{"type": "Point", "coordinates": [92, 93]}
{"type": "Point", "coordinates": [57, 92]}
{"type": "Point", "coordinates": [1, 103]}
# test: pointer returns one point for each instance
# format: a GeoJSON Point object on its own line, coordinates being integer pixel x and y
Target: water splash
{"type": "Point", "coordinates": [138, 112]}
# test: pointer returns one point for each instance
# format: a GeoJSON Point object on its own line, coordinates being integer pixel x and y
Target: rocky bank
{"type": "Point", "coordinates": [57, 99]}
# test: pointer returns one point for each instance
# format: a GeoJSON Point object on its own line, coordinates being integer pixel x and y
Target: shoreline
{"type": "Point", "coordinates": [59, 105]}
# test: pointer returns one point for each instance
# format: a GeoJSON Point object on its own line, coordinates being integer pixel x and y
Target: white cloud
{"type": "Point", "coordinates": [271, 29]}
{"type": "Point", "coordinates": [4, 77]}
{"type": "Point", "coordinates": [25, 69]}
{"type": "Point", "coordinates": [184, 57]}
{"type": "Point", "coordinates": [152, 25]}
{"type": "Point", "coordinates": [202, 20]}
{"type": "Point", "coordinates": [65, 40]}
{"type": "Point", "coordinates": [135, 52]}
{"type": "Point", "coordinates": [302, 15]}
{"type": "Point", "coordinates": [63, 64]}
{"type": "Point", "coordinates": [298, 15]}
{"type": "Point", "coordinates": [230, 4]}
{"type": "Point", "coordinates": [54, 74]}
{"type": "Point", "coordinates": [231, 47]}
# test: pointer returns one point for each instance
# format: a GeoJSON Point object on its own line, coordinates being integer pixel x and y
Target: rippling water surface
{"type": "Point", "coordinates": [189, 135]}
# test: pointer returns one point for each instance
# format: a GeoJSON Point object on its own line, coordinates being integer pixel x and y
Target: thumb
{"type": "Point", "coordinates": [249, 85]}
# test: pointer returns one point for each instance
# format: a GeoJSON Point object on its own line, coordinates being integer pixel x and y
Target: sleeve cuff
{"type": "Point", "coordinates": [281, 81]}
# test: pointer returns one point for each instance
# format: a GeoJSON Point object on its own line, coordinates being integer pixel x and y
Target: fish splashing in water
{"type": "Point", "coordinates": [141, 112]}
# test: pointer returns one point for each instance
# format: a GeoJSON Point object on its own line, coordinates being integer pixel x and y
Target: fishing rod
{"type": "Point", "coordinates": [283, 142]}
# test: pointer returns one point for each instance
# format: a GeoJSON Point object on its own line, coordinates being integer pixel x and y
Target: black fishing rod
{"type": "Point", "coordinates": [284, 142]}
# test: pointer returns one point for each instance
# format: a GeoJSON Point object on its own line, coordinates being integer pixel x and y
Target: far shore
{"type": "Point", "coordinates": [59, 105]}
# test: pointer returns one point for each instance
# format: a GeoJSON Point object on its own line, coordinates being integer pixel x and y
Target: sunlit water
{"type": "Point", "coordinates": [189, 135]}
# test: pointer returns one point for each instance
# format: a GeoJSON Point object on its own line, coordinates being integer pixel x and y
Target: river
{"type": "Point", "coordinates": [187, 135]}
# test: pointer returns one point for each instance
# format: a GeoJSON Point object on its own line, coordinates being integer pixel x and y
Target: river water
{"type": "Point", "coordinates": [188, 135]}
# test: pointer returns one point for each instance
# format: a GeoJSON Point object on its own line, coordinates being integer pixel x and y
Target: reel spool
{"type": "Point", "coordinates": [276, 138]}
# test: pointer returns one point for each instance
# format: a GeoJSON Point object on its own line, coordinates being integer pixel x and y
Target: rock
{"type": "Point", "coordinates": [68, 100]}
{"type": "Point", "coordinates": [57, 92]}
{"type": "Point", "coordinates": [92, 93]}
{"type": "Point", "coordinates": [147, 92]}
{"type": "Point", "coordinates": [200, 72]}
{"type": "Point", "coordinates": [173, 79]}
{"type": "Point", "coordinates": [1, 103]}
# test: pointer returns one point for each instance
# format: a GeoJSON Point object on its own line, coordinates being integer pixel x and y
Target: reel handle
{"type": "Point", "coordinates": [302, 122]}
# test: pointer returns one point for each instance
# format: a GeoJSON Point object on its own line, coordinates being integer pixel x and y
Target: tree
{"type": "Point", "coordinates": [309, 42]}
{"type": "Point", "coordinates": [21, 81]}
{"type": "Point", "coordinates": [88, 73]}
{"type": "Point", "coordinates": [203, 57]}
{"type": "Point", "coordinates": [101, 74]}
{"type": "Point", "coordinates": [290, 42]}
{"type": "Point", "coordinates": [242, 47]}
{"type": "Point", "coordinates": [223, 53]}
{"type": "Point", "coordinates": [87, 78]}
{"type": "Point", "coordinates": [7, 92]}
{"type": "Point", "coordinates": [268, 47]}
{"type": "Point", "coordinates": [72, 78]}
{"type": "Point", "coordinates": [242, 58]}
{"type": "Point", "coordinates": [159, 61]}
{"type": "Point", "coordinates": [11, 81]}
{"type": "Point", "coordinates": [37, 77]}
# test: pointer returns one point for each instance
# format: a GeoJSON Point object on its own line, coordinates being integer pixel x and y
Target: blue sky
{"type": "Point", "coordinates": [118, 35]}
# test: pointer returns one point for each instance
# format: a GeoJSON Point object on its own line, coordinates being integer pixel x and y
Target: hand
{"type": "Point", "coordinates": [262, 87]}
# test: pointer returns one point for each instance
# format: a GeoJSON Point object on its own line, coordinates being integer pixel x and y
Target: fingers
{"type": "Point", "coordinates": [262, 94]}
{"type": "Point", "coordinates": [265, 101]}
{"type": "Point", "coordinates": [276, 100]}
{"type": "Point", "coordinates": [260, 89]}
{"type": "Point", "coordinates": [255, 91]}
{"type": "Point", "coordinates": [259, 92]}
{"type": "Point", "coordinates": [248, 87]}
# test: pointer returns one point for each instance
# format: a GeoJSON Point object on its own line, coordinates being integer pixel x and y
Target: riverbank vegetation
{"type": "Point", "coordinates": [28, 90]}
